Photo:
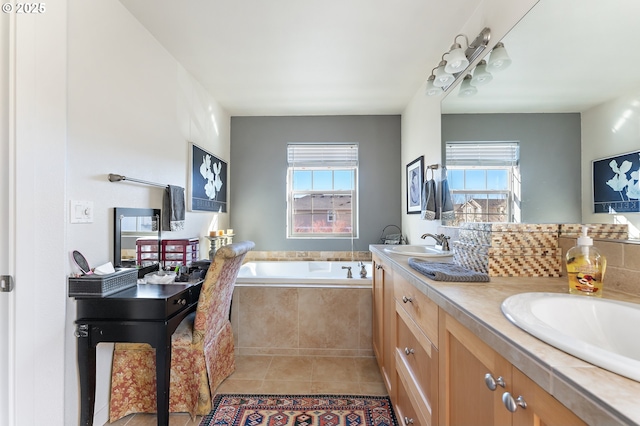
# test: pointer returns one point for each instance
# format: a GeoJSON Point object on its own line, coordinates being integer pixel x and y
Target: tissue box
{"type": "Point", "coordinates": [102, 285]}
{"type": "Point", "coordinates": [610, 231]}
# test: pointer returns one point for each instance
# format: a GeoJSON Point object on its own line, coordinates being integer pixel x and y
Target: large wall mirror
{"type": "Point", "coordinates": [131, 226]}
{"type": "Point", "coordinates": [569, 57]}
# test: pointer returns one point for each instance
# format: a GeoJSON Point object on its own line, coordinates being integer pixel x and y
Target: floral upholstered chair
{"type": "Point", "coordinates": [202, 350]}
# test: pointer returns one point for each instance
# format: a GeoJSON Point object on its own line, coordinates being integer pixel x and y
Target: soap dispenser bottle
{"type": "Point", "coordinates": [585, 267]}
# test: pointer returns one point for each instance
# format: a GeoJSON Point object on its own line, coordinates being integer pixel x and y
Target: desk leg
{"type": "Point", "coordinates": [87, 373]}
{"type": "Point", "coordinates": [163, 377]}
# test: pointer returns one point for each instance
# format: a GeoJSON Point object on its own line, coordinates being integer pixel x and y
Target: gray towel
{"type": "Point", "coordinates": [429, 209]}
{"type": "Point", "coordinates": [447, 203]}
{"type": "Point", "coordinates": [446, 271]}
{"type": "Point", "coordinates": [173, 208]}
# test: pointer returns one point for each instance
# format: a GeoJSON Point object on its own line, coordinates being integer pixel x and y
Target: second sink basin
{"type": "Point", "coordinates": [599, 331]}
{"type": "Point", "coordinates": [418, 251]}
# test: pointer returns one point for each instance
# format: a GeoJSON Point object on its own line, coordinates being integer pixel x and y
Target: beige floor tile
{"type": "Point", "coordinates": [290, 368]}
{"type": "Point", "coordinates": [251, 367]}
{"type": "Point", "coordinates": [335, 388]}
{"type": "Point", "coordinates": [240, 386]}
{"type": "Point", "coordinates": [367, 369]}
{"type": "Point", "coordinates": [279, 387]}
{"type": "Point", "coordinates": [373, 388]}
{"type": "Point", "coordinates": [332, 368]}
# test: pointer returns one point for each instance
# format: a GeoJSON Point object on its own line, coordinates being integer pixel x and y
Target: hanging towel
{"type": "Point", "coordinates": [438, 271]}
{"type": "Point", "coordinates": [173, 208]}
{"type": "Point", "coordinates": [429, 209]}
{"type": "Point", "coordinates": [447, 203]}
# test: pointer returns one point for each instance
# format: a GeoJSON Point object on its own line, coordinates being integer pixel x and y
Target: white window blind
{"type": "Point", "coordinates": [322, 155]}
{"type": "Point", "coordinates": [482, 154]}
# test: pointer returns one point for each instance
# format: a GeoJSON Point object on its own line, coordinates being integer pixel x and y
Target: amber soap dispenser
{"type": "Point", "coordinates": [585, 267]}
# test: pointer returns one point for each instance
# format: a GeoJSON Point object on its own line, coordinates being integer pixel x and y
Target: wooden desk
{"type": "Point", "coordinates": [146, 313]}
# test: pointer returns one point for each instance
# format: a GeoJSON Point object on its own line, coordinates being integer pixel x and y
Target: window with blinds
{"type": "Point", "coordinates": [484, 179]}
{"type": "Point", "coordinates": [322, 182]}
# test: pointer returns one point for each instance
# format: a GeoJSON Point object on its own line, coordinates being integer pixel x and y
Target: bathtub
{"type": "Point", "coordinates": [302, 274]}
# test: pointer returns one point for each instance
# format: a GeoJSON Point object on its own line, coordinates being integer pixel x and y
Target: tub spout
{"type": "Point", "coordinates": [348, 268]}
{"type": "Point", "coordinates": [363, 270]}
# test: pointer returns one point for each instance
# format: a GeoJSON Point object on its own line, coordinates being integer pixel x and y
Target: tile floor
{"type": "Point", "coordinates": [287, 375]}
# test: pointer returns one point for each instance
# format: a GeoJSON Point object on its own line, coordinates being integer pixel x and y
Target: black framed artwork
{"type": "Point", "coordinates": [616, 184]}
{"type": "Point", "coordinates": [415, 180]}
{"type": "Point", "coordinates": [207, 181]}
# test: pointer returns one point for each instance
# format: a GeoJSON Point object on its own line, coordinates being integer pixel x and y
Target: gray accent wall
{"type": "Point", "coordinates": [550, 146]}
{"type": "Point", "coordinates": [258, 171]}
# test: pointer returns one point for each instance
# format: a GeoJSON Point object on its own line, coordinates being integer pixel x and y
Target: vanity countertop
{"type": "Point", "coordinates": [596, 395]}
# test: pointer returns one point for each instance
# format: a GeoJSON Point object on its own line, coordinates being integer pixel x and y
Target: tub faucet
{"type": "Point", "coordinates": [348, 268]}
{"type": "Point", "coordinates": [363, 269]}
{"type": "Point", "coordinates": [441, 240]}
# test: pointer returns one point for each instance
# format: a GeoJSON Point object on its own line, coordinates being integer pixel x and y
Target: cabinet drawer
{"type": "Point", "coordinates": [419, 307]}
{"type": "Point", "coordinates": [407, 415]}
{"type": "Point", "coordinates": [415, 352]}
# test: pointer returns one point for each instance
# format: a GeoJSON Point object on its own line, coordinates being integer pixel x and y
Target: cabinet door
{"type": "Point", "coordinates": [465, 361]}
{"type": "Point", "coordinates": [542, 409]}
{"type": "Point", "coordinates": [383, 322]}
{"type": "Point", "coordinates": [378, 309]}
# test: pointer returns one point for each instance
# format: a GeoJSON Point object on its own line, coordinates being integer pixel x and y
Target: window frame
{"type": "Point", "coordinates": [322, 165]}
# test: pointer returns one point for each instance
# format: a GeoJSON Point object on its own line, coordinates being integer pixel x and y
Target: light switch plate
{"type": "Point", "coordinates": [81, 211]}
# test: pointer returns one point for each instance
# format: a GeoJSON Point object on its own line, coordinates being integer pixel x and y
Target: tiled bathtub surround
{"type": "Point", "coordinates": [337, 256]}
{"type": "Point", "coordinates": [302, 321]}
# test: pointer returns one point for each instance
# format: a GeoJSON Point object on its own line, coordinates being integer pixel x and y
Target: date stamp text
{"type": "Point", "coordinates": [24, 8]}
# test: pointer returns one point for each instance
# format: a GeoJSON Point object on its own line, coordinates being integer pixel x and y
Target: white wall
{"type": "Point", "coordinates": [132, 109]}
{"type": "Point", "coordinates": [421, 118]}
{"type": "Point", "coordinates": [599, 140]}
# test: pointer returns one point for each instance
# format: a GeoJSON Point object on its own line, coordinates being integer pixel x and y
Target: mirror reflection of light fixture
{"type": "Point", "coordinates": [432, 90]}
{"type": "Point", "coordinates": [499, 59]}
{"type": "Point", "coordinates": [480, 75]}
{"type": "Point", "coordinates": [442, 77]}
{"type": "Point", "coordinates": [466, 89]}
{"type": "Point", "coordinates": [457, 61]}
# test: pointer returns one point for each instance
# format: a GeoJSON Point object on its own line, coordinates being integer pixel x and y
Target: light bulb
{"type": "Point", "coordinates": [432, 90]}
{"type": "Point", "coordinates": [466, 89]}
{"type": "Point", "coordinates": [480, 75]}
{"type": "Point", "coordinates": [499, 59]}
{"type": "Point", "coordinates": [442, 78]}
{"type": "Point", "coordinates": [456, 61]}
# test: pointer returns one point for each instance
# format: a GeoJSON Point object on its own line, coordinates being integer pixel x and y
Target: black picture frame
{"type": "Point", "coordinates": [415, 181]}
{"type": "Point", "coordinates": [616, 184]}
{"type": "Point", "coordinates": [207, 181]}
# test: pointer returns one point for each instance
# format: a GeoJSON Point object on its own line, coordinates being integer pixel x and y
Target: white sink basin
{"type": "Point", "coordinates": [600, 331]}
{"type": "Point", "coordinates": [418, 251]}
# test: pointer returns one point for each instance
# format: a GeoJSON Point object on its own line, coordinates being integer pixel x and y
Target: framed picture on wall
{"type": "Point", "coordinates": [207, 181]}
{"type": "Point", "coordinates": [415, 177]}
{"type": "Point", "coordinates": [616, 184]}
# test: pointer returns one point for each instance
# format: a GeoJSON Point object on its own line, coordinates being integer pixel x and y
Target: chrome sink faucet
{"type": "Point", "coordinates": [441, 240]}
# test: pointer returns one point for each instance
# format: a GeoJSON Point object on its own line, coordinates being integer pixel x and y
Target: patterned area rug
{"type": "Point", "coordinates": [300, 410]}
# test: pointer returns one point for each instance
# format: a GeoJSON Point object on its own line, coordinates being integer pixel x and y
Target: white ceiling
{"type": "Point", "coordinates": [306, 57]}
{"type": "Point", "coordinates": [336, 57]}
{"type": "Point", "coordinates": [568, 56]}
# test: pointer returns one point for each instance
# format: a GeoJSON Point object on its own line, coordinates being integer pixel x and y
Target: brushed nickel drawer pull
{"type": "Point", "coordinates": [409, 351]}
{"type": "Point", "coordinates": [408, 421]}
{"type": "Point", "coordinates": [493, 383]}
{"type": "Point", "coordinates": [406, 299]}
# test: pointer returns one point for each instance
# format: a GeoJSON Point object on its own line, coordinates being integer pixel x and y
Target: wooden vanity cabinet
{"type": "Point", "coordinates": [469, 368]}
{"type": "Point", "coordinates": [416, 355]}
{"type": "Point", "coordinates": [384, 322]}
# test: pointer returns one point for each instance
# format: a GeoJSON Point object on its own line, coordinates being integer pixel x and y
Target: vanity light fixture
{"type": "Point", "coordinates": [457, 61]}
{"type": "Point", "coordinates": [480, 75]}
{"type": "Point", "coordinates": [450, 70]}
{"type": "Point", "coordinates": [499, 59]}
{"type": "Point", "coordinates": [466, 89]}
